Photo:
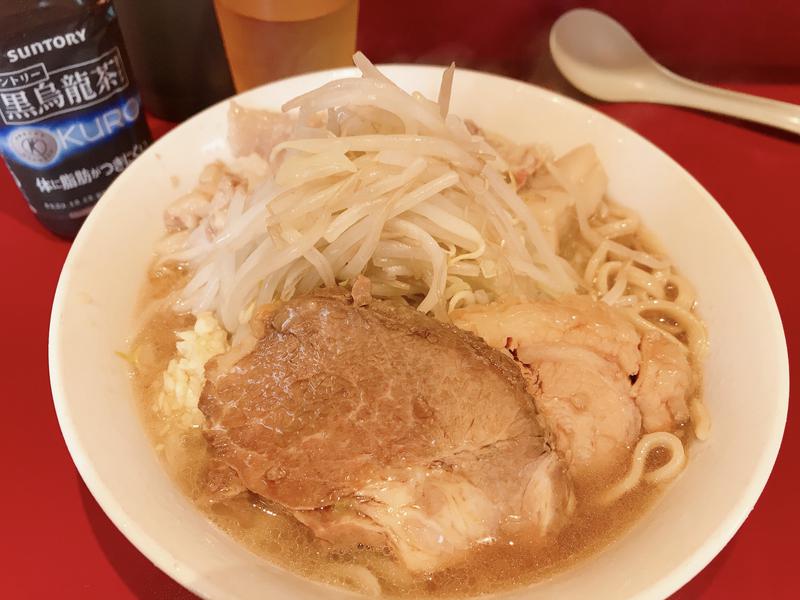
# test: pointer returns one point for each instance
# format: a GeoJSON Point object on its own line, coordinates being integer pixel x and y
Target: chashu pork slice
{"type": "Point", "coordinates": [375, 424]}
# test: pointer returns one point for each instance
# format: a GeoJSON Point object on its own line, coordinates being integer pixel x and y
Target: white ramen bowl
{"type": "Point", "coordinates": [746, 374]}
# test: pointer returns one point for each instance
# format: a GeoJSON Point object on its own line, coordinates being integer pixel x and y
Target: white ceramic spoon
{"type": "Point", "coordinates": [601, 58]}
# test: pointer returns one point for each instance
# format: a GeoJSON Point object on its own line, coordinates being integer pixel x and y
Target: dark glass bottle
{"type": "Point", "coordinates": [177, 55]}
{"type": "Point", "coordinates": [70, 115]}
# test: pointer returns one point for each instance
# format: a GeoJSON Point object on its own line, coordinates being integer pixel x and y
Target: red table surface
{"type": "Point", "coordinates": [56, 542]}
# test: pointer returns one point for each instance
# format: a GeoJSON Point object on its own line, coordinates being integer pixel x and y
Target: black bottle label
{"type": "Point", "coordinates": [70, 117]}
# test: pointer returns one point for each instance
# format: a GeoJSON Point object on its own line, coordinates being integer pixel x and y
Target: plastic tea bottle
{"type": "Point", "coordinates": [70, 116]}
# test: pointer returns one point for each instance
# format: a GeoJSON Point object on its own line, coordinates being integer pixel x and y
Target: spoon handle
{"type": "Point", "coordinates": [685, 92]}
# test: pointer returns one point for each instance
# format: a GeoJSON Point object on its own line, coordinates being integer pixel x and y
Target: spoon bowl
{"type": "Point", "coordinates": [592, 47]}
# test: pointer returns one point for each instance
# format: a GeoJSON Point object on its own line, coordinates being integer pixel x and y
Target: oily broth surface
{"type": "Point", "coordinates": [268, 531]}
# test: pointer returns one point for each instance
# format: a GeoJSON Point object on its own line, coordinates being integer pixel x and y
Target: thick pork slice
{"type": "Point", "coordinates": [583, 353]}
{"type": "Point", "coordinates": [664, 382]}
{"type": "Point", "coordinates": [377, 422]}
